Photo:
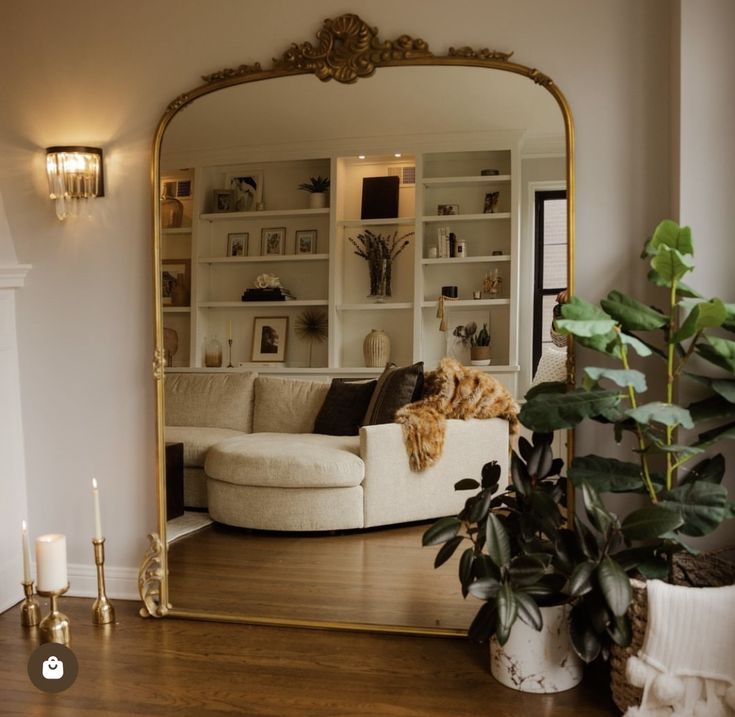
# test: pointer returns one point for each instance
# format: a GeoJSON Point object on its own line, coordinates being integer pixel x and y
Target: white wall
{"type": "Point", "coordinates": [102, 73]}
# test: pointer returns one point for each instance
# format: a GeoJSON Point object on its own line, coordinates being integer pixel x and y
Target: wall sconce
{"type": "Point", "coordinates": [74, 173]}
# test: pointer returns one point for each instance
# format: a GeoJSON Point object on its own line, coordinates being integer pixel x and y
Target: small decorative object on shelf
{"type": "Point", "coordinates": [489, 172]}
{"type": "Point", "coordinates": [270, 334]}
{"type": "Point", "coordinates": [237, 244]}
{"type": "Point", "coordinates": [223, 200]}
{"type": "Point", "coordinates": [380, 252]}
{"type": "Point", "coordinates": [447, 209]}
{"type": "Point", "coordinates": [305, 242]}
{"type": "Point", "coordinates": [480, 347]}
{"type": "Point", "coordinates": [274, 241]}
{"type": "Point", "coordinates": [175, 281]}
{"type": "Point", "coordinates": [477, 294]}
{"type": "Point", "coordinates": [170, 345]}
{"type": "Point", "coordinates": [461, 250]}
{"type": "Point", "coordinates": [247, 191]}
{"type": "Point", "coordinates": [312, 326]}
{"type": "Point", "coordinates": [492, 284]}
{"type": "Point", "coordinates": [180, 292]}
{"type": "Point", "coordinates": [317, 188]}
{"type": "Point", "coordinates": [491, 202]}
{"type": "Point", "coordinates": [452, 245]}
{"type": "Point", "coordinates": [172, 210]}
{"type": "Point", "coordinates": [376, 349]}
{"type": "Point", "coordinates": [212, 353]}
{"type": "Point", "coordinates": [267, 288]}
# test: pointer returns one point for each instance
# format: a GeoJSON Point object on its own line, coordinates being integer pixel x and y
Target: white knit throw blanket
{"type": "Point", "coordinates": [686, 666]}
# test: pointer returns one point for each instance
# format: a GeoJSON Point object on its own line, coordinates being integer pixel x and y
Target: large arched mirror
{"type": "Point", "coordinates": [462, 164]}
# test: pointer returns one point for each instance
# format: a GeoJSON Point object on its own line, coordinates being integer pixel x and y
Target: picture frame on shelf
{"type": "Point", "coordinates": [305, 242]}
{"type": "Point", "coordinates": [174, 271]}
{"type": "Point", "coordinates": [270, 337]}
{"type": "Point", "coordinates": [223, 200]}
{"type": "Point", "coordinates": [491, 202]}
{"type": "Point", "coordinates": [237, 243]}
{"type": "Point", "coordinates": [273, 241]}
{"type": "Point", "coordinates": [247, 188]}
{"type": "Point", "coordinates": [445, 210]}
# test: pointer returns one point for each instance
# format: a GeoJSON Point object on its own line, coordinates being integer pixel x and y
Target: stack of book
{"type": "Point", "coordinates": [271, 294]}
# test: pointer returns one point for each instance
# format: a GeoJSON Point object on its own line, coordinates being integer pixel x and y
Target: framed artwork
{"type": "Point", "coordinates": [447, 209]}
{"type": "Point", "coordinates": [491, 202]}
{"type": "Point", "coordinates": [270, 334]}
{"type": "Point", "coordinates": [274, 241]}
{"type": "Point", "coordinates": [247, 189]}
{"type": "Point", "coordinates": [237, 244]}
{"type": "Point", "coordinates": [223, 200]}
{"type": "Point", "coordinates": [175, 281]}
{"type": "Point", "coordinates": [306, 241]}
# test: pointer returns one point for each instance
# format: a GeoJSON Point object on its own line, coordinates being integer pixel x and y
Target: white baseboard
{"type": "Point", "coordinates": [120, 583]}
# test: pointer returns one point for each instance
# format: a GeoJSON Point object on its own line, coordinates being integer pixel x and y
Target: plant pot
{"type": "Point", "coordinates": [318, 200]}
{"type": "Point", "coordinates": [538, 661]}
{"type": "Point", "coordinates": [480, 355]}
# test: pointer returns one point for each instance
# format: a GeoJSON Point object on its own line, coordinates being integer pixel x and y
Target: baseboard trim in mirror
{"type": "Point", "coordinates": [347, 50]}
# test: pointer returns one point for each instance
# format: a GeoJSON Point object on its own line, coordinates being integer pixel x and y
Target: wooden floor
{"type": "Point", "coordinates": [197, 669]}
{"type": "Point", "coordinates": [381, 576]}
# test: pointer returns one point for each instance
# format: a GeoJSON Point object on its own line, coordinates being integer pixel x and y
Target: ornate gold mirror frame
{"type": "Point", "coordinates": [347, 49]}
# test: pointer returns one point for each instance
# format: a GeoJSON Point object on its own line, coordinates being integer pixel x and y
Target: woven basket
{"type": "Point", "coordinates": [707, 570]}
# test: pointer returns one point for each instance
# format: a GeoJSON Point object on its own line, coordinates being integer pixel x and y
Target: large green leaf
{"type": "Point", "coordinates": [666, 413]}
{"type": "Point", "coordinates": [714, 407]}
{"type": "Point", "coordinates": [484, 623]}
{"type": "Point", "coordinates": [615, 586]}
{"type": "Point", "coordinates": [670, 265]}
{"type": "Point", "coordinates": [443, 530]}
{"type": "Point", "coordinates": [581, 318]}
{"type": "Point", "coordinates": [466, 484]}
{"type": "Point", "coordinates": [725, 388]}
{"type": "Point", "coordinates": [670, 234]}
{"type": "Point", "coordinates": [507, 607]}
{"type": "Point", "coordinates": [546, 387]}
{"type": "Point", "coordinates": [706, 314]}
{"type": "Point", "coordinates": [606, 475]}
{"type": "Point", "coordinates": [579, 581]}
{"type": "Point", "coordinates": [498, 542]}
{"type": "Point", "coordinates": [709, 438]}
{"type": "Point", "coordinates": [598, 515]}
{"type": "Point", "coordinates": [651, 522]}
{"type": "Point", "coordinates": [729, 322]}
{"type": "Point", "coordinates": [640, 347]}
{"type": "Point", "coordinates": [631, 314]}
{"type": "Point", "coordinates": [702, 505]}
{"type": "Point", "coordinates": [710, 470]}
{"type": "Point", "coordinates": [525, 570]}
{"type": "Point", "coordinates": [720, 352]}
{"type": "Point", "coordinates": [584, 639]}
{"type": "Point", "coordinates": [528, 610]}
{"type": "Point", "coordinates": [619, 377]}
{"type": "Point", "coordinates": [608, 344]}
{"type": "Point", "coordinates": [519, 475]}
{"type": "Point", "coordinates": [551, 412]}
{"type": "Point", "coordinates": [465, 569]}
{"type": "Point", "coordinates": [447, 550]}
{"type": "Point", "coordinates": [484, 588]}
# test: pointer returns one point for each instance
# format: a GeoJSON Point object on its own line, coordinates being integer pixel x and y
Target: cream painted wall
{"type": "Point", "coordinates": [102, 73]}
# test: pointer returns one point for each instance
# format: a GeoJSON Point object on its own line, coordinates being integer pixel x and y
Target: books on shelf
{"type": "Point", "coordinates": [270, 294]}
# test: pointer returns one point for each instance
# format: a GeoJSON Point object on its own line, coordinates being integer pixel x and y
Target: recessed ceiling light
{"type": "Point", "coordinates": [361, 156]}
{"type": "Point", "coordinates": [397, 154]}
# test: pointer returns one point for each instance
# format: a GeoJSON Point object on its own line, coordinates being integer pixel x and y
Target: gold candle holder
{"type": "Point", "coordinates": [103, 613]}
{"type": "Point", "coordinates": [30, 610]}
{"type": "Point", "coordinates": [55, 626]}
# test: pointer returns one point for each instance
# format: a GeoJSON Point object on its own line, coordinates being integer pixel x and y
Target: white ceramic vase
{"type": "Point", "coordinates": [538, 661]}
{"type": "Point", "coordinates": [376, 349]}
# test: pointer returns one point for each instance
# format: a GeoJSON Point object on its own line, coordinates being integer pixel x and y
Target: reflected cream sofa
{"type": "Point", "coordinates": [251, 459]}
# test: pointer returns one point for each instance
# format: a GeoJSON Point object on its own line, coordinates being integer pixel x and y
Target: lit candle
{"type": "Point", "coordinates": [51, 563]}
{"type": "Point", "coordinates": [229, 329]}
{"type": "Point", "coordinates": [97, 519]}
{"type": "Point", "coordinates": [26, 554]}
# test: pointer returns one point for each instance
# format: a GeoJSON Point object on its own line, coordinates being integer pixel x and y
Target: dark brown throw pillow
{"type": "Point", "coordinates": [344, 407]}
{"type": "Point", "coordinates": [396, 388]}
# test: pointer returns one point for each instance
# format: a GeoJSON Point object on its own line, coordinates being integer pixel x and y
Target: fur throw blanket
{"type": "Point", "coordinates": [452, 391]}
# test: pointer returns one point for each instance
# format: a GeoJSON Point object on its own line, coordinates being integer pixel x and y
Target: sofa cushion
{"type": "Point", "coordinates": [197, 441]}
{"type": "Point", "coordinates": [396, 388]}
{"type": "Point", "coordinates": [214, 400]}
{"type": "Point", "coordinates": [344, 407]}
{"type": "Point", "coordinates": [295, 461]}
{"type": "Point", "coordinates": [286, 405]}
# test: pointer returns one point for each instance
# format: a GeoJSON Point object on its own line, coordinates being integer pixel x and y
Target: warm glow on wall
{"type": "Point", "coordinates": [74, 173]}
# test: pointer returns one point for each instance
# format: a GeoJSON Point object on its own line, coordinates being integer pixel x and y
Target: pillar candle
{"type": "Point", "coordinates": [26, 553]}
{"type": "Point", "coordinates": [51, 563]}
{"type": "Point", "coordinates": [97, 519]}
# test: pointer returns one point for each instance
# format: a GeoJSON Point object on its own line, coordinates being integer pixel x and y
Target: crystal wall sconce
{"type": "Point", "coordinates": [74, 174]}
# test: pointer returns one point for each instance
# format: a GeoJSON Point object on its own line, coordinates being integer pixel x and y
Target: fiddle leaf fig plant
{"type": "Point", "coordinates": [663, 339]}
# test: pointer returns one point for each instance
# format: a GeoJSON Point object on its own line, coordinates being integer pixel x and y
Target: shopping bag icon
{"type": "Point", "coordinates": [52, 668]}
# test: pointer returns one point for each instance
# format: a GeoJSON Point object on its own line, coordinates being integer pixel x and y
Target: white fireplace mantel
{"type": "Point", "coordinates": [13, 276]}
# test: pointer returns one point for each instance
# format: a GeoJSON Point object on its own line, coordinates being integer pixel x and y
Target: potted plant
{"type": "Point", "coordinates": [667, 437]}
{"type": "Point", "coordinates": [317, 187]}
{"type": "Point", "coordinates": [480, 347]}
{"type": "Point", "coordinates": [538, 579]}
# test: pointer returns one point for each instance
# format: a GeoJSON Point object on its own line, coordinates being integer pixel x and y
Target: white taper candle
{"type": "Point", "coordinates": [26, 553]}
{"type": "Point", "coordinates": [97, 519]}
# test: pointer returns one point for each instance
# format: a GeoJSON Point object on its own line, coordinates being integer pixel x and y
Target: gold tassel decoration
{"type": "Point", "coordinates": [441, 311]}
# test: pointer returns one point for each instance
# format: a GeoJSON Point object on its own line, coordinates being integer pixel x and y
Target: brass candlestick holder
{"type": "Point", "coordinates": [30, 610]}
{"type": "Point", "coordinates": [55, 626]}
{"type": "Point", "coordinates": [229, 362]}
{"type": "Point", "coordinates": [102, 611]}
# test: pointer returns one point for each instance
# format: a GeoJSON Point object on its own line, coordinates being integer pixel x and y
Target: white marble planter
{"type": "Point", "coordinates": [538, 661]}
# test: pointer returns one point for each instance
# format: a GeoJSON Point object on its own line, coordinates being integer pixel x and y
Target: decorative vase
{"type": "Point", "coordinates": [540, 661]}
{"type": "Point", "coordinates": [381, 271]}
{"type": "Point", "coordinates": [172, 211]}
{"type": "Point", "coordinates": [212, 353]}
{"type": "Point", "coordinates": [376, 349]}
{"type": "Point", "coordinates": [480, 355]}
{"type": "Point", "coordinates": [317, 200]}
{"type": "Point", "coordinates": [180, 292]}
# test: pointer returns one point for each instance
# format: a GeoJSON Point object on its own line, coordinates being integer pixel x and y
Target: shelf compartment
{"type": "Point", "coordinates": [176, 309]}
{"type": "Point", "coordinates": [465, 181]}
{"type": "Point", "coordinates": [452, 218]}
{"type": "Point", "coordinates": [262, 259]}
{"type": "Point", "coordinates": [467, 303]}
{"type": "Point", "coordinates": [268, 214]}
{"type": "Point", "coordinates": [261, 304]}
{"type": "Point", "coordinates": [398, 221]}
{"type": "Point", "coordinates": [376, 306]}
{"type": "Point", "coordinates": [468, 260]}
